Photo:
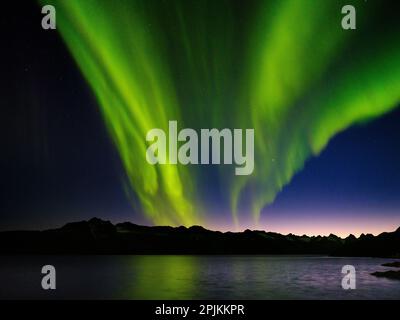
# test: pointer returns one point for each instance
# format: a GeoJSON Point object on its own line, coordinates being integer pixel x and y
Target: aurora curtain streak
{"type": "Point", "coordinates": [285, 68]}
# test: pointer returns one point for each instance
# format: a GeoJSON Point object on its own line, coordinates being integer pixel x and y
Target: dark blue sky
{"type": "Point", "coordinates": [355, 179]}
{"type": "Point", "coordinates": [360, 166]}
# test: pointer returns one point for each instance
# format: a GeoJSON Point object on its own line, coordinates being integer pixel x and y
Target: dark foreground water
{"type": "Point", "coordinates": [193, 277]}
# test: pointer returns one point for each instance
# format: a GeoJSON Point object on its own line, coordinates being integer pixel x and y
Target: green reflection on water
{"type": "Point", "coordinates": [162, 277]}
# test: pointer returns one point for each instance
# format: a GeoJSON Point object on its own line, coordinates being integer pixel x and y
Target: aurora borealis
{"type": "Point", "coordinates": [285, 68]}
{"type": "Point", "coordinates": [323, 103]}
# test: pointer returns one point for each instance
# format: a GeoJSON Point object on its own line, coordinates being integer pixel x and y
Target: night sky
{"type": "Point", "coordinates": [59, 162]}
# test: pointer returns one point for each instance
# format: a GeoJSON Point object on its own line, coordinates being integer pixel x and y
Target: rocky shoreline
{"type": "Point", "coordinates": [390, 274]}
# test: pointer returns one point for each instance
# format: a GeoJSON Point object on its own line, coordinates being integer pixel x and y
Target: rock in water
{"type": "Point", "coordinates": [388, 274]}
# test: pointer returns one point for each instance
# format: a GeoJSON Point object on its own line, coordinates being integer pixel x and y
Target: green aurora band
{"type": "Point", "coordinates": [285, 68]}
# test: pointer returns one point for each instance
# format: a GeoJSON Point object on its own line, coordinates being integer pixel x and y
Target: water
{"type": "Point", "coordinates": [193, 277]}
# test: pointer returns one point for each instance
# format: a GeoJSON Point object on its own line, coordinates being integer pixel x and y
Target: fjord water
{"type": "Point", "coordinates": [193, 277]}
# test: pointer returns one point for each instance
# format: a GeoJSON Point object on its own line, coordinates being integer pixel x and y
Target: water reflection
{"type": "Point", "coordinates": [162, 277]}
{"type": "Point", "coordinates": [193, 277]}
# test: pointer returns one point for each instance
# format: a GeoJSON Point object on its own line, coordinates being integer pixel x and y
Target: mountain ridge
{"type": "Point", "coordinates": [96, 236]}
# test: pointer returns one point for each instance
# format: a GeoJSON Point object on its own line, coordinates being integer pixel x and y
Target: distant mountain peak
{"type": "Point", "coordinates": [198, 229]}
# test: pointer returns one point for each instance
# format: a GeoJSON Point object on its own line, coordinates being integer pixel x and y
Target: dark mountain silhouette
{"type": "Point", "coordinates": [102, 237]}
{"type": "Point", "coordinates": [386, 244]}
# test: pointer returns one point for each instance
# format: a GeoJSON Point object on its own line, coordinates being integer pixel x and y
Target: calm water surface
{"type": "Point", "coordinates": [193, 277]}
